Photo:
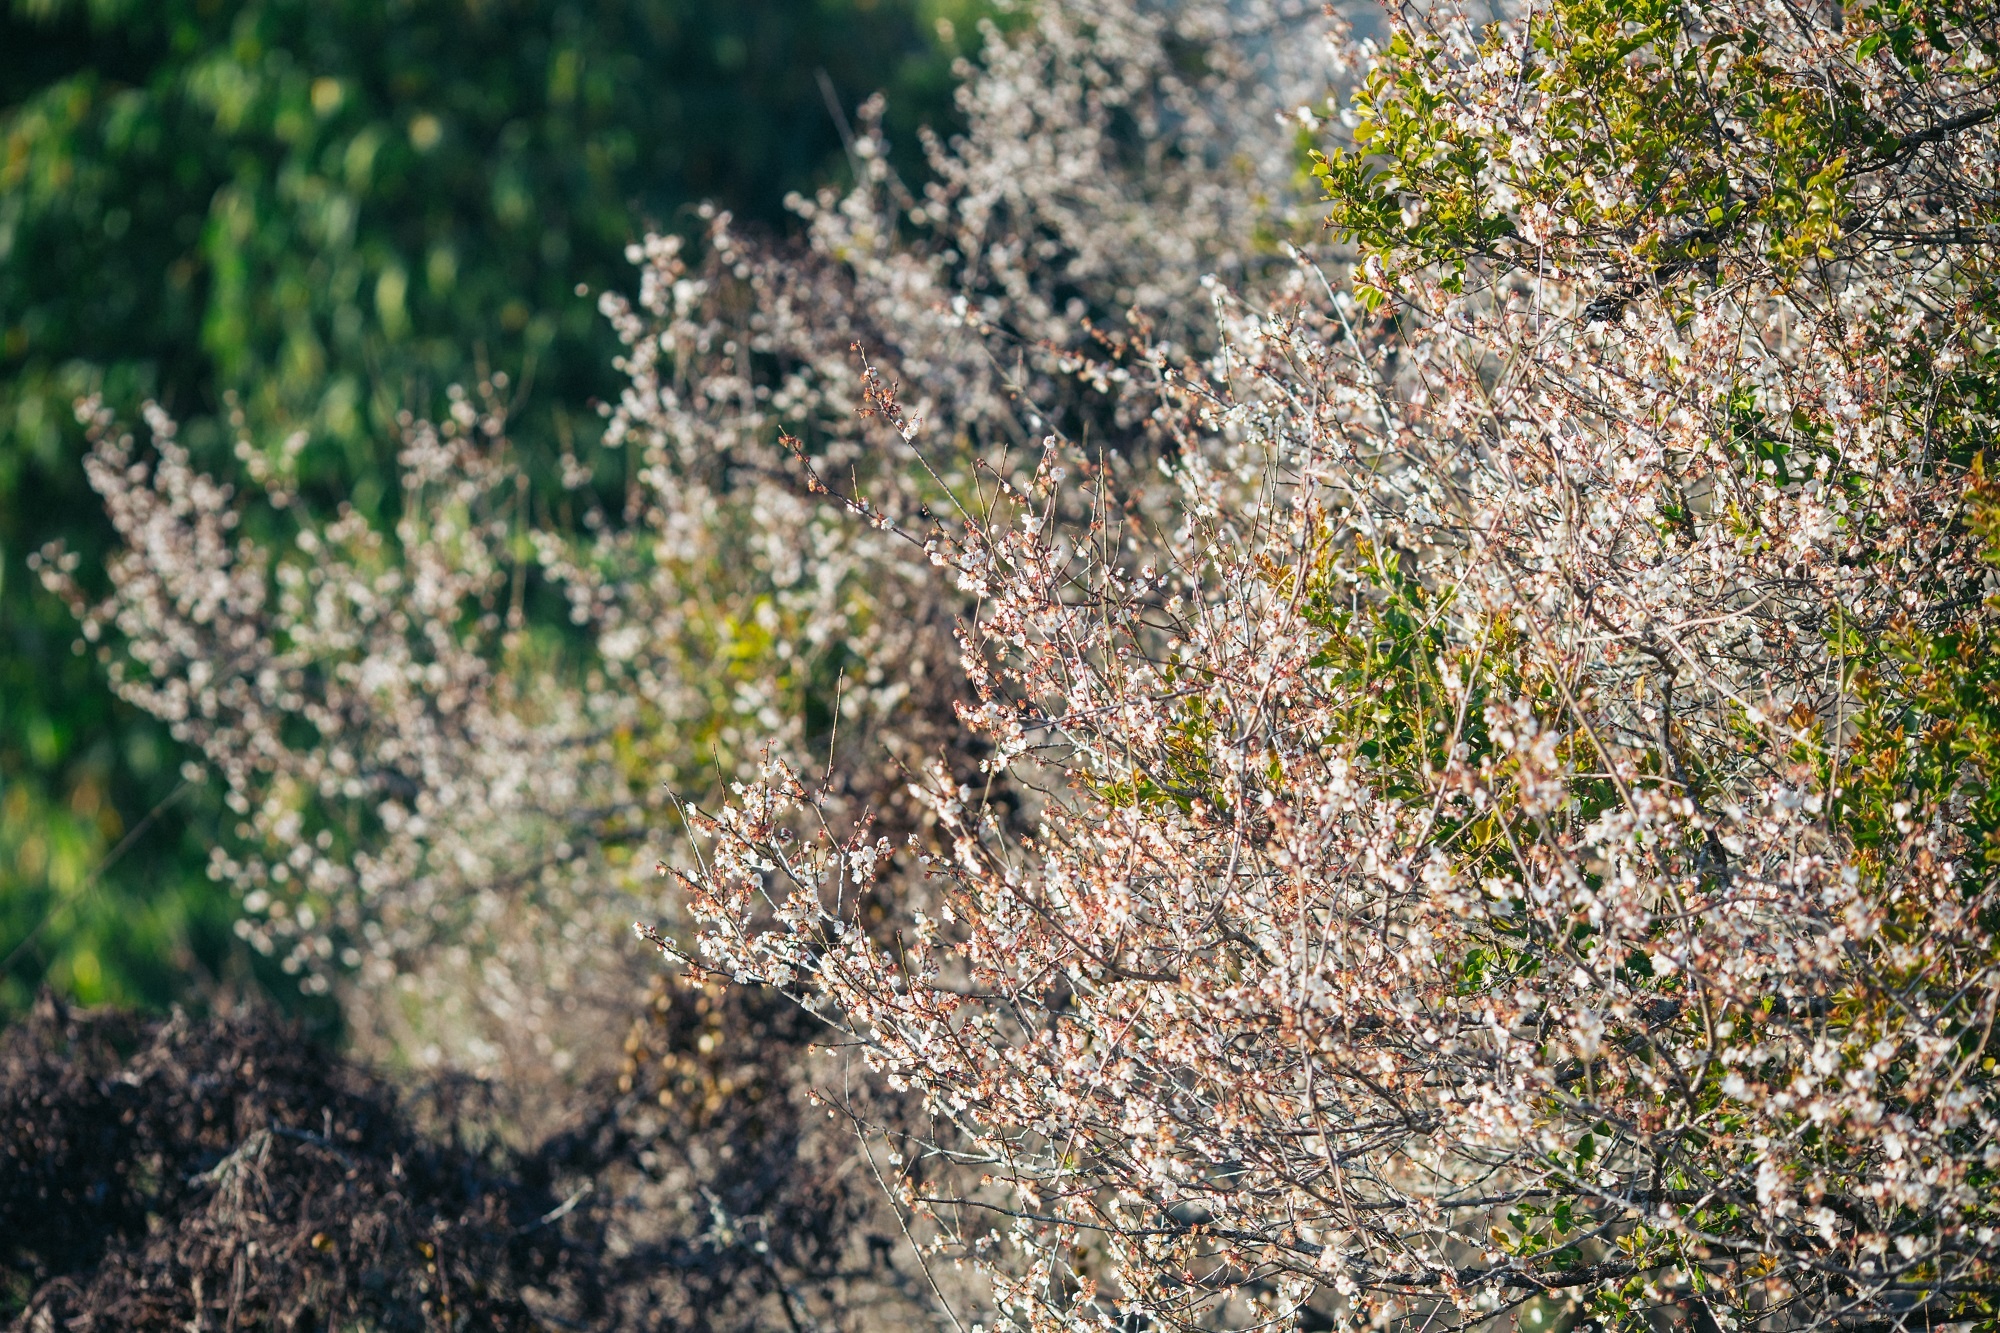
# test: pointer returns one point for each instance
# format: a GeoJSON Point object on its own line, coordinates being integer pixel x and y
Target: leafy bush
{"type": "Point", "coordinates": [457, 807]}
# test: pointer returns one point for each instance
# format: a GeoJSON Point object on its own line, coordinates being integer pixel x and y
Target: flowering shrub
{"type": "Point", "coordinates": [1513, 816]}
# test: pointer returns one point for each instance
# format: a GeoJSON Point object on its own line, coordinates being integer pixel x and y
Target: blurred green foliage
{"type": "Point", "coordinates": [314, 213]}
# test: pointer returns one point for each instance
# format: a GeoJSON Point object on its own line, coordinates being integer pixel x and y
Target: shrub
{"type": "Point", "coordinates": [316, 215]}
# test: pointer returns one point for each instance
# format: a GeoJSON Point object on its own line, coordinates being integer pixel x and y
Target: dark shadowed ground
{"type": "Point", "coordinates": [225, 1173]}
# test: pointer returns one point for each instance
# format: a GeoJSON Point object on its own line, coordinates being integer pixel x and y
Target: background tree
{"type": "Point", "coordinates": [301, 219]}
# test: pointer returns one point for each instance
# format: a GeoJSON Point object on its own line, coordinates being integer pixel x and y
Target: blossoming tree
{"type": "Point", "coordinates": [1511, 821]}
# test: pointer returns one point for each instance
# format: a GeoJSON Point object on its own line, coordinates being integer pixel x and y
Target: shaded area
{"type": "Point", "coordinates": [227, 1173]}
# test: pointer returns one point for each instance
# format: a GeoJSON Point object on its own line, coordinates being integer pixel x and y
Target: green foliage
{"type": "Point", "coordinates": [1602, 139]}
{"type": "Point", "coordinates": [1926, 732]}
{"type": "Point", "coordinates": [296, 219]}
{"type": "Point", "coordinates": [1386, 644]}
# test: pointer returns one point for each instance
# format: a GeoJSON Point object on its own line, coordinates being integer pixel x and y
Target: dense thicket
{"type": "Point", "coordinates": [1431, 781]}
{"type": "Point", "coordinates": [449, 817]}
